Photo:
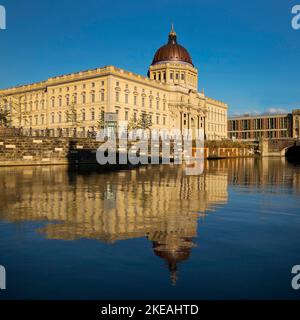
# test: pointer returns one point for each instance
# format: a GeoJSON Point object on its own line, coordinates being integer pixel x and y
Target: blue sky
{"type": "Point", "coordinates": [246, 52]}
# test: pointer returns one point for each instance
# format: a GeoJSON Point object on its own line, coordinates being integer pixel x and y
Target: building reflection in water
{"type": "Point", "coordinates": [157, 202]}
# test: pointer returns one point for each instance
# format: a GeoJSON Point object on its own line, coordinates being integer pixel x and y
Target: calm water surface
{"type": "Point", "coordinates": [151, 232]}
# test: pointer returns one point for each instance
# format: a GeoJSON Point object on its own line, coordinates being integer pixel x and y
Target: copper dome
{"type": "Point", "coordinates": [172, 51]}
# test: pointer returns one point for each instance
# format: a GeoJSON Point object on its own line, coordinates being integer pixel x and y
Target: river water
{"type": "Point", "coordinates": [151, 232]}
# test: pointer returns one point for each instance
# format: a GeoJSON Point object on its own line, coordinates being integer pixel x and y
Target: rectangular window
{"type": "Point", "coordinates": [126, 98]}
{"type": "Point", "coordinates": [157, 119]}
{"type": "Point", "coordinates": [126, 115]}
{"type": "Point", "coordinates": [117, 96]}
{"type": "Point", "coordinates": [135, 100]}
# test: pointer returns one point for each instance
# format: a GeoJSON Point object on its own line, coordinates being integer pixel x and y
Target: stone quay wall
{"type": "Point", "coordinates": [54, 151]}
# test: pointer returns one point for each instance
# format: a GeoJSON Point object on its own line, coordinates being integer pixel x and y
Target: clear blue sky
{"type": "Point", "coordinates": [246, 52]}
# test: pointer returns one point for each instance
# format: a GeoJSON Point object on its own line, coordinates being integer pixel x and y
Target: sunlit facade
{"type": "Point", "coordinates": [77, 102]}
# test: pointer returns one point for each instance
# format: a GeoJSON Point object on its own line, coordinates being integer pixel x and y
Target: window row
{"type": "Point", "coordinates": [77, 87]}
{"type": "Point", "coordinates": [75, 99]}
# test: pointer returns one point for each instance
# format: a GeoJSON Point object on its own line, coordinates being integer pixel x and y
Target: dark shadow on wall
{"type": "Point", "coordinates": [83, 160]}
{"type": "Point", "coordinates": [293, 153]}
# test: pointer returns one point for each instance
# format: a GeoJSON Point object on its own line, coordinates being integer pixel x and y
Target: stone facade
{"type": "Point", "coordinates": [78, 101]}
{"type": "Point", "coordinates": [53, 150]}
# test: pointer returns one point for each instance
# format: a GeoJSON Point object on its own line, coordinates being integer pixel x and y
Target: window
{"type": "Point", "coordinates": [117, 96]}
{"type": "Point", "coordinates": [117, 83]}
{"type": "Point", "coordinates": [126, 98]}
{"type": "Point", "coordinates": [36, 120]}
{"type": "Point", "coordinates": [182, 76]}
{"type": "Point", "coordinates": [93, 96]}
{"type": "Point", "coordinates": [67, 99]}
{"type": "Point", "coordinates": [59, 117]}
{"type": "Point", "coordinates": [83, 98]}
{"type": "Point", "coordinates": [36, 105]}
{"type": "Point", "coordinates": [102, 95]}
{"type": "Point", "coordinates": [177, 76]}
{"type": "Point", "coordinates": [59, 101]}
{"type": "Point", "coordinates": [143, 102]}
{"type": "Point", "coordinates": [150, 103]}
{"type": "Point", "coordinates": [171, 75]}
{"type": "Point", "coordinates": [157, 104]}
{"type": "Point", "coordinates": [42, 119]}
{"type": "Point", "coordinates": [134, 116]}
{"type": "Point", "coordinates": [92, 114]}
{"type": "Point", "coordinates": [164, 106]}
{"type": "Point", "coordinates": [157, 119]}
{"type": "Point", "coordinates": [52, 117]}
{"type": "Point", "coordinates": [135, 100]}
{"type": "Point", "coordinates": [93, 84]}
{"type": "Point", "coordinates": [75, 98]}
{"type": "Point", "coordinates": [164, 121]}
{"type": "Point", "coordinates": [102, 83]}
{"type": "Point", "coordinates": [126, 115]}
{"type": "Point", "coordinates": [83, 114]}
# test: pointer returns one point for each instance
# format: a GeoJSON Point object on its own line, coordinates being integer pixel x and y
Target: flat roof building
{"type": "Point", "coordinates": [269, 126]}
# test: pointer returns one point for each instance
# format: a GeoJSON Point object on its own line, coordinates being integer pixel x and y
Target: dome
{"type": "Point", "coordinates": [172, 52]}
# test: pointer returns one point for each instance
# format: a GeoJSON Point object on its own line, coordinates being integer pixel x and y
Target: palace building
{"type": "Point", "coordinates": [77, 102]}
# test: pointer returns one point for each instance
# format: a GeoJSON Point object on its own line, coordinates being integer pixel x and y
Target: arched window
{"type": "Point", "coordinates": [59, 117]}
{"type": "Point", "coordinates": [59, 101]}
{"type": "Point", "coordinates": [67, 99]}
{"type": "Point", "coordinates": [52, 117]}
{"type": "Point", "coordinates": [93, 96]}
{"type": "Point", "coordinates": [83, 114]}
